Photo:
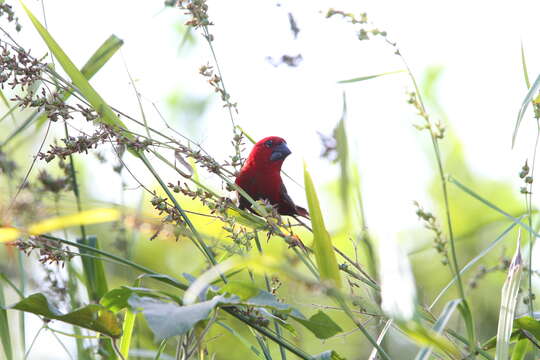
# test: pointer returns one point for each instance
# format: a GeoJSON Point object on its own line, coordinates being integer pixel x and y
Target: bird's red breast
{"type": "Point", "coordinates": [260, 176]}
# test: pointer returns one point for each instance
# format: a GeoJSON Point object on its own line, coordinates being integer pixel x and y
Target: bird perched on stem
{"type": "Point", "coordinates": [260, 177]}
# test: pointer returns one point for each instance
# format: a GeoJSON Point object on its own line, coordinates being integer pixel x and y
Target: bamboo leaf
{"type": "Point", "coordinates": [322, 244]}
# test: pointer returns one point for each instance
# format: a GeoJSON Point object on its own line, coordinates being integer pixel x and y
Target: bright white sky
{"type": "Point", "coordinates": [477, 43]}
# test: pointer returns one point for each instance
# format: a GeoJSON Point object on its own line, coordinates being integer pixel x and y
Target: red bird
{"type": "Point", "coordinates": [260, 177]}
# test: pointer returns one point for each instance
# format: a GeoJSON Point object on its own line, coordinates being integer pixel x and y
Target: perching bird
{"type": "Point", "coordinates": [260, 177]}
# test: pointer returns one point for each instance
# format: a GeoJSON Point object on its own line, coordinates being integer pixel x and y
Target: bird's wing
{"type": "Point", "coordinates": [286, 199]}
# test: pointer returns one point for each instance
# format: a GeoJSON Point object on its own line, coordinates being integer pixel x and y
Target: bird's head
{"type": "Point", "coordinates": [270, 152]}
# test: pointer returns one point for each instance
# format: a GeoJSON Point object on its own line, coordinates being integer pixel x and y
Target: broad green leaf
{"type": "Point", "coordinates": [329, 355]}
{"type": "Point", "coordinates": [439, 326]}
{"type": "Point", "coordinates": [509, 299]}
{"type": "Point", "coordinates": [92, 317]}
{"type": "Point", "coordinates": [320, 324]}
{"type": "Point", "coordinates": [107, 116]}
{"type": "Point", "coordinates": [117, 299]}
{"type": "Point", "coordinates": [322, 244]}
{"type": "Point", "coordinates": [4, 327]}
{"type": "Point", "coordinates": [363, 78]}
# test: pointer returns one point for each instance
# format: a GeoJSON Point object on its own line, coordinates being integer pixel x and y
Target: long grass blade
{"type": "Point", "coordinates": [322, 244]}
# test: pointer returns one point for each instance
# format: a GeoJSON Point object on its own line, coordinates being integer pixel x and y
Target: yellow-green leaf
{"type": "Point", "coordinates": [88, 217]}
{"type": "Point", "coordinates": [322, 244]}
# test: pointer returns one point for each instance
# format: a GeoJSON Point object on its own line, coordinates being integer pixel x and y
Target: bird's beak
{"type": "Point", "coordinates": [280, 152]}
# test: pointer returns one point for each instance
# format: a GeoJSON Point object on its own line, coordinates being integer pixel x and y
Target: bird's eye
{"type": "Point", "coordinates": [268, 143]}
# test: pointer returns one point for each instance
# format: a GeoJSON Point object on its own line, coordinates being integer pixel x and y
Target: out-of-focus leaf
{"type": "Point", "coordinates": [429, 338]}
{"type": "Point", "coordinates": [88, 217]}
{"type": "Point", "coordinates": [4, 327]}
{"type": "Point", "coordinates": [520, 349]}
{"type": "Point", "coordinates": [473, 261]}
{"type": "Point", "coordinates": [92, 317]}
{"type": "Point", "coordinates": [439, 326]}
{"type": "Point", "coordinates": [243, 290]}
{"type": "Point", "coordinates": [320, 324]}
{"type": "Point", "coordinates": [329, 355]}
{"type": "Point", "coordinates": [242, 339]}
{"type": "Point", "coordinates": [489, 204]}
{"type": "Point", "coordinates": [343, 158]}
{"type": "Point", "coordinates": [509, 298]}
{"type": "Point", "coordinates": [363, 78]}
{"type": "Point", "coordinates": [322, 244]}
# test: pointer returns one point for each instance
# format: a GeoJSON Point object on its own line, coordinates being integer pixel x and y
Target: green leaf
{"type": "Point", "coordinates": [118, 299]}
{"type": "Point", "coordinates": [362, 78]}
{"type": "Point", "coordinates": [509, 299]}
{"type": "Point", "coordinates": [92, 317]}
{"type": "Point", "coordinates": [4, 327]}
{"type": "Point", "coordinates": [320, 324]}
{"type": "Point", "coordinates": [329, 355]}
{"type": "Point", "coordinates": [322, 244]}
{"type": "Point", "coordinates": [107, 116]}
